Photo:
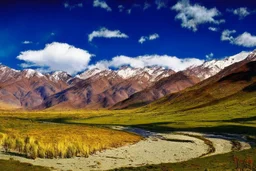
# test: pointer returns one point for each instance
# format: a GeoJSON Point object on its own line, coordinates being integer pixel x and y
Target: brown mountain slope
{"type": "Point", "coordinates": [103, 89]}
{"type": "Point", "coordinates": [84, 93]}
{"type": "Point", "coordinates": [171, 84]}
{"type": "Point", "coordinates": [28, 90]}
{"type": "Point", "coordinates": [122, 91]}
{"type": "Point", "coordinates": [237, 78]}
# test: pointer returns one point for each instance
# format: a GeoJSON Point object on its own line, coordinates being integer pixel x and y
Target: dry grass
{"type": "Point", "coordinates": [47, 140]}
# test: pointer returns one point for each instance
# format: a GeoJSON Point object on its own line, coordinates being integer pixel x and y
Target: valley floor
{"type": "Point", "coordinates": [156, 148]}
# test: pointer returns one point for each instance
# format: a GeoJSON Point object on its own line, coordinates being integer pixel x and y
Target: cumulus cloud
{"type": "Point", "coordinates": [70, 7]}
{"type": "Point", "coordinates": [101, 4]}
{"type": "Point", "coordinates": [209, 56]}
{"type": "Point", "coordinates": [150, 37]}
{"type": "Point", "coordinates": [56, 56]}
{"type": "Point", "coordinates": [245, 39]}
{"type": "Point", "coordinates": [171, 62]}
{"type": "Point", "coordinates": [213, 29]}
{"type": "Point", "coordinates": [241, 12]}
{"type": "Point", "coordinates": [193, 15]}
{"type": "Point", "coordinates": [27, 42]}
{"type": "Point", "coordinates": [105, 33]}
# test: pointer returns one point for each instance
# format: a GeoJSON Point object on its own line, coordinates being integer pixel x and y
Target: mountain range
{"type": "Point", "coordinates": [125, 87]}
{"type": "Point", "coordinates": [232, 87]}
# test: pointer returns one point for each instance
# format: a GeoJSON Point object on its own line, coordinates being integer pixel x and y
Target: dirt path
{"type": "Point", "coordinates": [155, 149]}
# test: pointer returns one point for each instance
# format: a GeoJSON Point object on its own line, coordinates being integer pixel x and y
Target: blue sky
{"type": "Point", "coordinates": [186, 30]}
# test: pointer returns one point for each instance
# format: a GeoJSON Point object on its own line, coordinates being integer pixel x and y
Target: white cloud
{"type": "Point", "coordinates": [121, 8]}
{"type": "Point", "coordinates": [193, 15]}
{"type": "Point", "coordinates": [241, 12]}
{"type": "Point", "coordinates": [209, 56]}
{"type": "Point", "coordinates": [150, 37]}
{"type": "Point", "coordinates": [70, 7]}
{"type": "Point", "coordinates": [213, 29]}
{"type": "Point", "coordinates": [104, 32]}
{"type": "Point", "coordinates": [171, 62]}
{"type": "Point", "coordinates": [160, 4]}
{"type": "Point", "coordinates": [142, 39]}
{"type": "Point", "coordinates": [101, 4]}
{"type": "Point", "coordinates": [153, 36]}
{"type": "Point", "coordinates": [245, 39]}
{"type": "Point", "coordinates": [27, 42]}
{"type": "Point", "coordinates": [226, 35]}
{"type": "Point", "coordinates": [57, 56]}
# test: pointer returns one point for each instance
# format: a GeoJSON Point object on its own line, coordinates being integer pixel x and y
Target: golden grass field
{"type": "Point", "coordinates": [34, 138]}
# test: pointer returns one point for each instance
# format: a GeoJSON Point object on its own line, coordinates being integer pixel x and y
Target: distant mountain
{"type": "Point", "coordinates": [174, 83]}
{"type": "Point", "coordinates": [152, 74]}
{"type": "Point", "coordinates": [104, 88]}
{"type": "Point", "coordinates": [211, 68]}
{"type": "Point", "coordinates": [84, 93]}
{"type": "Point", "coordinates": [28, 88]}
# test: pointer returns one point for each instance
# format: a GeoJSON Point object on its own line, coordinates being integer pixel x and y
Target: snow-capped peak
{"type": "Point", "coordinates": [4, 68]}
{"type": "Point", "coordinates": [89, 73]}
{"type": "Point", "coordinates": [221, 64]}
{"type": "Point", "coordinates": [59, 75]}
{"type": "Point", "coordinates": [151, 73]}
{"type": "Point", "coordinates": [128, 72]}
{"type": "Point", "coordinates": [31, 73]}
{"type": "Point", "coordinates": [252, 56]}
{"type": "Point", "coordinates": [212, 67]}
